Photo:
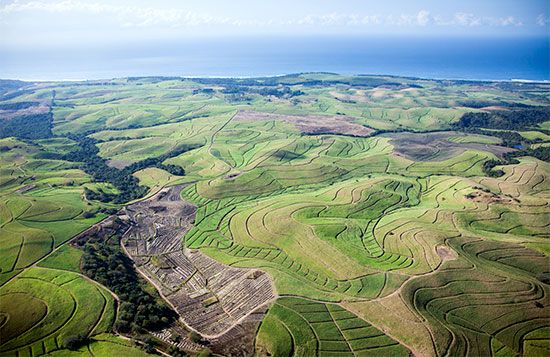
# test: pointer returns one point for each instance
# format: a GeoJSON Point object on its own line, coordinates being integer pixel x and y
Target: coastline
{"type": "Point", "coordinates": [457, 79]}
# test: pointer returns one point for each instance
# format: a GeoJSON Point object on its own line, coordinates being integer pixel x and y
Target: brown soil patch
{"type": "Point", "coordinates": [37, 109]}
{"type": "Point", "coordinates": [25, 188]}
{"type": "Point", "coordinates": [446, 253]}
{"type": "Point", "coordinates": [311, 124]}
{"type": "Point", "coordinates": [211, 298]}
{"type": "Point", "coordinates": [379, 93]}
{"type": "Point", "coordinates": [436, 146]}
{"type": "Point", "coordinates": [119, 164]}
{"type": "Point", "coordinates": [488, 197]}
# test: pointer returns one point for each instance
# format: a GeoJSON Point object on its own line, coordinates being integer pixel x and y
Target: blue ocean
{"type": "Point", "coordinates": [525, 58]}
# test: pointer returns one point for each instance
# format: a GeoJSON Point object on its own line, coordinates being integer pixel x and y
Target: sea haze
{"type": "Point", "coordinates": [454, 58]}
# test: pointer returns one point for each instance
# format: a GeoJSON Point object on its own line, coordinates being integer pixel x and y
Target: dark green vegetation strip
{"type": "Point", "coordinates": [541, 153]}
{"type": "Point", "coordinates": [140, 306]}
{"type": "Point", "coordinates": [32, 126]}
{"type": "Point", "coordinates": [513, 119]}
{"type": "Point", "coordinates": [128, 186]}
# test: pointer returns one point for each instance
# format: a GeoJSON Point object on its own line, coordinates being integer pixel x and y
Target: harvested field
{"type": "Point", "coordinates": [310, 124]}
{"type": "Point", "coordinates": [160, 222]}
{"type": "Point", "coordinates": [119, 164]}
{"type": "Point", "coordinates": [211, 298]}
{"type": "Point", "coordinates": [25, 188]}
{"type": "Point", "coordinates": [237, 341]}
{"type": "Point", "coordinates": [183, 342]}
{"type": "Point", "coordinates": [445, 253]}
{"type": "Point", "coordinates": [437, 146]}
{"type": "Point", "coordinates": [36, 108]}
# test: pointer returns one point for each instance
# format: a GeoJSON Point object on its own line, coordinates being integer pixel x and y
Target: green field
{"type": "Point", "coordinates": [300, 327]}
{"type": "Point", "coordinates": [45, 306]}
{"type": "Point", "coordinates": [426, 233]}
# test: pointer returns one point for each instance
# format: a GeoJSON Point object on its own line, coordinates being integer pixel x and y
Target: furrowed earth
{"type": "Point", "coordinates": [302, 215]}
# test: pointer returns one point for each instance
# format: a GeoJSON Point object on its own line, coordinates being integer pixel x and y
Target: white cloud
{"type": "Point", "coordinates": [465, 19]}
{"type": "Point", "coordinates": [509, 21]}
{"type": "Point", "coordinates": [542, 20]}
{"type": "Point", "coordinates": [471, 20]}
{"type": "Point", "coordinates": [336, 19]}
{"type": "Point", "coordinates": [128, 16]}
{"type": "Point", "coordinates": [136, 16]}
{"type": "Point", "coordinates": [423, 18]}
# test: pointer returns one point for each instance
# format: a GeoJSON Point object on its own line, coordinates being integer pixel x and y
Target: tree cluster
{"type": "Point", "coordinates": [208, 91]}
{"type": "Point", "coordinates": [13, 86]}
{"type": "Point", "coordinates": [95, 166]}
{"type": "Point", "coordinates": [32, 126]}
{"type": "Point", "coordinates": [279, 91]}
{"type": "Point", "coordinates": [516, 119]}
{"type": "Point", "coordinates": [489, 165]}
{"type": "Point", "coordinates": [541, 153]}
{"type": "Point", "coordinates": [157, 161]}
{"type": "Point", "coordinates": [127, 185]}
{"type": "Point", "coordinates": [139, 310]}
{"type": "Point", "coordinates": [74, 342]}
{"type": "Point", "coordinates": [520, 117]}
{"type": "Point", "coordinates": [296, 79]}
{"type": "Point", "coordinates": [509, 139]}
{"type": "Point", "coordinates": [480, 103]}
{"type": "Point", "coordinates": [17, 105]}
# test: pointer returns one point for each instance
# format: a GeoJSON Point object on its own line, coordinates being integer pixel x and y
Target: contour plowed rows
{"type": "Point", "coordinates": [328, 330]}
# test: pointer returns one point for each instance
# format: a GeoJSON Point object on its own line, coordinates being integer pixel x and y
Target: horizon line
{"type": "Point", "coordinates": [65, 80]}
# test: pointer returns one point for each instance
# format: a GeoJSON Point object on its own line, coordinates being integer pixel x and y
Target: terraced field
{"type": "Point", "coordinates": [42, 307]}
{"type": "Point", "coordinates": [305, 328]}
{"type": "Point", "coordinates": [310, 214]}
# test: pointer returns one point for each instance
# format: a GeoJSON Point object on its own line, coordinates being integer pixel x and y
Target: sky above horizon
{"type": "Point", "coordinates": [61, 23]}
{"type": "Point", "coordinates": [80, 39]}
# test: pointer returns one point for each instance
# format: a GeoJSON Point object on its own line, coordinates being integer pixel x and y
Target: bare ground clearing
{"type": "Point", "coordinates": [119, 164]}
{"type": "Point", "coordinates": [437, 146]}
{"type": "Point", "coordinates": [489, 197]}
{"type": "Point", "coordinates": [39, 108]}
{"type": "Point", "coordinates": [445, 253]}
{"type": "Point", "coordinates": [220, 302]}
{"type": "Point", "coordinates": [310, 124]}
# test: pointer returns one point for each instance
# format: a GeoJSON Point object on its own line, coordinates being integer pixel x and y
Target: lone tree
{"type": "Point", "coordinates": [195, 337]}
{"type": "Point", "coordinates": [74, 342]}
{"type": "Point", "coordinates": [149, 345]}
